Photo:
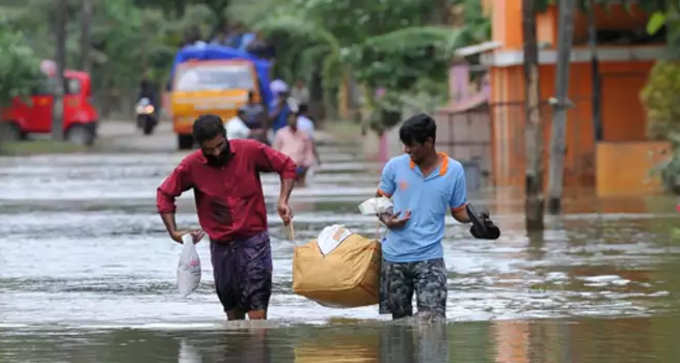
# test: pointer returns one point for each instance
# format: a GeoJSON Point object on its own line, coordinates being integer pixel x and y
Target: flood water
{"type": "Point", "coordinates": [87, 274]}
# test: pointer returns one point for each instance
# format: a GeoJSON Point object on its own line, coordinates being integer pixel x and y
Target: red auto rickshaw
{"type": "Point", "coordinates": [34, 114]}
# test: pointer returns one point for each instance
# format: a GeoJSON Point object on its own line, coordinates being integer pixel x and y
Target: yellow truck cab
{"type": "Point", "coordinates": [216, 86]}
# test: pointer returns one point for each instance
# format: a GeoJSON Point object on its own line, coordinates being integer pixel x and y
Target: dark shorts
{"type": "Point", "coordinates": [398, 280]}
{"type": "Point", "coordinates": [301, 171]}
{"type": "Point", "coordinates": [243, 272]}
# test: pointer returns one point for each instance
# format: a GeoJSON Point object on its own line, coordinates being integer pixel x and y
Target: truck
{"type": "Point", "coordinates": [213, 79]}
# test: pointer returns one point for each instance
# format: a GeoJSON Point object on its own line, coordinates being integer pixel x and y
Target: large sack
{"type": "Point", "coordinates": [346, 277]}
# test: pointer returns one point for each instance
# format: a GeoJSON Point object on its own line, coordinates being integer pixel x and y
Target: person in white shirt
{"type": "Point", "coordinates": [236, 128]}
{"type": "Point", "coordinates": [306, 124]}
{"type": "Point", "coordinates": [300, 92]}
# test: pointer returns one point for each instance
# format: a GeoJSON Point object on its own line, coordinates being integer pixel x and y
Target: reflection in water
{"type": "Point", "coordinates": [578, 340]}
{"type": "Point", "coordinates": [512, 341]}
{"type": "Point", "coordinates": [188, 353]}
{"type": "Point", "coordinates": [431, 344]}
{"type": "Point", "coordinates": [402, 341]}
{"type": "Point", "coordinates": [364, 346]}
{"type": "Point", "coordinates": [535, 249]}
{"type": "Point", "coordinates": [251, 345]}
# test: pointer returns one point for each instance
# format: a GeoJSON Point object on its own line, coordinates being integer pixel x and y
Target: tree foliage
{"type": "Point", "coordinates": [128, 41]}
{"type": "Point", "coordinates": [19, 68]}
{"type": "Point", "coordinates": [398, 59]}
{"type": "Point", "coordinates": [353, 20]}
{"type": "Point", "coordinates": [394, 45]}
{"type": "Point", "coordinates": [176, 9]}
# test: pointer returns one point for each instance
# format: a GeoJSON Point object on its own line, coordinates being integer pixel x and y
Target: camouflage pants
{"type": "Point", "coordinates": [398, 281]}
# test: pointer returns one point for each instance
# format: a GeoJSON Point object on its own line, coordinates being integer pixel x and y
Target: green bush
{"type": "Point", "coordinates": [670, 170]}
{"type": "Point", "coordinates": [660, 99]}
{"type": "Point", "coordinates": [663, 115]}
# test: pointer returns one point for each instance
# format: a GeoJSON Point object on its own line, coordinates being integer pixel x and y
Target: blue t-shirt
{"type": "Point", "coordinates": [281, 119]}
{"type": "Point", "coordinates": [428, 198]}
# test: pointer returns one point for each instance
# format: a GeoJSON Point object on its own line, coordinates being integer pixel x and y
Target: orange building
{"type": "Point", "coordinates": [623, 69]}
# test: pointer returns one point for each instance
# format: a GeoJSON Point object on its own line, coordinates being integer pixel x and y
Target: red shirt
{"type": "Point", "coordinates": [229, 199]}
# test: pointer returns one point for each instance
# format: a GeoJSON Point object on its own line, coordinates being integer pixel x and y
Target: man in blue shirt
{"type": "Point", "coordinates": [279, 111]}
{"type": "Point", "coordinates": [423, 185]}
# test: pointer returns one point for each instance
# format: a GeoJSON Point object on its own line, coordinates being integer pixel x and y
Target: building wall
{"type": "Point", "coordinates": [611, 17]}
{"type": "Point", "coordinates": [507, 22]}
{"type": "Point", "coordinates": [506, 15]}
{"type": "Point", "coordinates": [546, 27]}
{"type": "Point", "coordinates": [623, 117]}
{"type": "Point", "coordinates": [623, 71]}
{"type": "Point", "coordinates": [639, 159]}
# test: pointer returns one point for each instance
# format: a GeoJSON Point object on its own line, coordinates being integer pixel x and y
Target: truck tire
{"type": "Point", "coordinates": [80, 135]}
{"type": "Point", "coordinates": [10, 131]}
{"type": "Point", "coordinates": [185, 141]}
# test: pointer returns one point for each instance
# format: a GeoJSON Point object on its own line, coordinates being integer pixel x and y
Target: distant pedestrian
{"type": "Point", "coordinates": [279, 110]}
{"type": "Point", "coordinates": [304, 123]}
{"type": "Point", "coordinates": [300, 92]}
{"type": "Point", "coordinates": [297, 144]}
{"type": "Point", "coordinates": [236, 127]}
{"type": "Point", "coordinates": [255, 114]}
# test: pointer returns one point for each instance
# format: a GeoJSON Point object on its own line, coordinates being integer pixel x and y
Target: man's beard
{"type": "Point", "coordinates": [221, 159]}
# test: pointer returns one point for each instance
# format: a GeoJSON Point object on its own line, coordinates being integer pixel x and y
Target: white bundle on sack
{"type": "Point", "coordinates": [331, 236]}
{"type": "Point", "coordinates": [189, 267]}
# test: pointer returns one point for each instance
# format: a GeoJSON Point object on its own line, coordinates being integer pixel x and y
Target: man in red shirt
{"type": "Point", "coordinates": [230, 205]}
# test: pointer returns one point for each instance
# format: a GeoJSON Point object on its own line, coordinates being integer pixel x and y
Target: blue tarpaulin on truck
{"type": "Point", "coordinates": [211, 51]}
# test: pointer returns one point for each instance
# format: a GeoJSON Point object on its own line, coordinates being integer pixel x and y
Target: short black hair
{"type": "Point", "coordinates": [418, 128]}
{"type": "Point", "coordinates": [206, 127]}
{"type": "Point", "coordinates": [302, 108]}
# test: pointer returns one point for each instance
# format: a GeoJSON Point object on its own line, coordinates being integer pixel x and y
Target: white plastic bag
{"type": "Point", "coordinates": [376, 206]}
{"type": "Point", "coordinates": [189, 267]}
{"type": "Point", "coordinates": [331, 236]}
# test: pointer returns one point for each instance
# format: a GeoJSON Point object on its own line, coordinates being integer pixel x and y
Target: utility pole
{"type": "Point", "coordinates": [533, 130]}
{"type": "Point", "coordinates": [85, 21]}
{"type": "Point", "coordinates": [58, 104]}
{"type": "Point", "coordinates": [594, 72]}
{"type": "Point", "coordinates": [560, 104]}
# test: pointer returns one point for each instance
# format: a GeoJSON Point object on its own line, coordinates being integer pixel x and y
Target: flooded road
{"type": "Point", "coordinates": [87, 273]}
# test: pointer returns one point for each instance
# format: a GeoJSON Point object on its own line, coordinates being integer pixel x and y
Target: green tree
{"type": "Point", "coordinates": [19, 71]}
{"type": "Point", "coordinates": [176, 9]}
{"type": "Point", "coordinates": [304, 49]}
{"type": "Point", "coordinates": [659, 94]}
{"type": "Point", "coordinates": [382, 44]}
{"type": "Point", "coordinates": [19, 67]}
{"type": "Point", "coordinates": [127, 42]}
{"type": "Point", "coordinates": [410, 65]}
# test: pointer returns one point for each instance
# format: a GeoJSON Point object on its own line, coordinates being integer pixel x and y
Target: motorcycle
{"type": "Point", "coordinates": [146, 115]}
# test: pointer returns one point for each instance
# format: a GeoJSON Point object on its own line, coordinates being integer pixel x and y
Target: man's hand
{"type": "Point", "coordinates": [196, 235]}
{"type": "Point", "coordinates": [393, 221]}
{"type": "Point", "coordinates": [284, 212]}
